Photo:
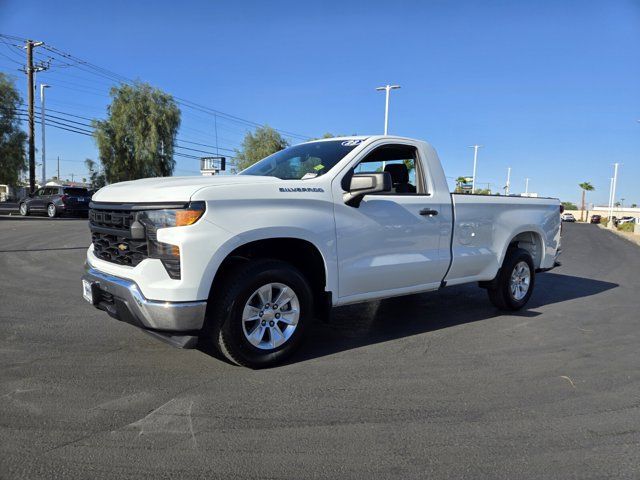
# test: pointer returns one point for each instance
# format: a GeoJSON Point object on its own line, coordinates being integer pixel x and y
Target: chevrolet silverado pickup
{"type": "Point", "coordinates": [245, 262]}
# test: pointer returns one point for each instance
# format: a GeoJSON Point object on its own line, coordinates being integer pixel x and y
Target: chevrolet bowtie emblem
{"type": "Point", "coordinates": [122, 247]}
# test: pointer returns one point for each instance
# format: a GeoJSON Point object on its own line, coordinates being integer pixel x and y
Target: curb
{"type": "Point", "coordinates": [630, 237]}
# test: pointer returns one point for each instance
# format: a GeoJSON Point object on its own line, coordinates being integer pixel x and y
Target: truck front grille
{"type": "Point", "coordinates": [119, 249]}
{"type": "Point", "coordinates": [123, 236]}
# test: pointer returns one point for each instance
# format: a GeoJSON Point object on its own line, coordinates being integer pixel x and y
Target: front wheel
{"type": "Point", "coordinates": [515, 281]}
{"type": "Point", "coordinates": [259, 317]}
{"type": "Point", "coordinates": [24, 209]}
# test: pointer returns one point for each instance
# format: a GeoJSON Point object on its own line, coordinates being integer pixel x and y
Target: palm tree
{"type": "Point", "coordinates": [586, 187]}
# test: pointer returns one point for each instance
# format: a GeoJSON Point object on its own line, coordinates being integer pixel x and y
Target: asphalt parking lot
{"type": "Point", "coordinates": [434, 385]}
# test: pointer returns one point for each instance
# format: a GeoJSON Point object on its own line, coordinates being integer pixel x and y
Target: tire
{"type": "Point", "coordinates": [245, 325]}
{"type": "Point", "coordinates": [515, 281]}
{"type": "Point", "coordinates": [52, 212]}
{"type": "Point", "coordinates": [23, 209]}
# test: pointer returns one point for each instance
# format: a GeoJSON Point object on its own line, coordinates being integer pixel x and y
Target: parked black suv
{"type": "Point", "coordinates": [55, 201]}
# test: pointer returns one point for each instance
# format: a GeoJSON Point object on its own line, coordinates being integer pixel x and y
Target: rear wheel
{"type": "Point", "coordinates": [259, 317]}
{"type": "Point", "coordinates": [514, 283]}
{"type": "Point", "coordinates": [51, 211]}
{"type": "Point", "coordinates": [24, 209]}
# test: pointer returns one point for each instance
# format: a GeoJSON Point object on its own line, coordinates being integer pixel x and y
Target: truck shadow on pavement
{"type": "Point", "coordinates": [360, 325]}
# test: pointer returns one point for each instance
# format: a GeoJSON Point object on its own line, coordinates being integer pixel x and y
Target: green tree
{"type": "Point", "coordinates": [138, 137]}
{"type": "Point", "coordinates": [328, 135]}
{"type": "Point", "coordinates": [12, 139]}
{"type": "Point", "coordinates": [569, 206]}
{"type": "Point", "coordinates": [259, 144]}
{"type": "Point", "coordinates": [586, 187]}
{"type": "Point", "coordinates": [96, 177]}
{"type": "Point", "coordinates": [634, 205]}
{"type": "Point", "coordinates": [459, 182]}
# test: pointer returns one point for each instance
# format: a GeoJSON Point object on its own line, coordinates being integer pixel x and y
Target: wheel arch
{"type": "Point", "coordinates": [300, 252]}
{"type": "Point", "coordinates": [529, 239]}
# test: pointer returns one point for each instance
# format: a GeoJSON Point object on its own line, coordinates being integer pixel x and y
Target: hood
{"type": "Point", "coordinates": [170, 189]}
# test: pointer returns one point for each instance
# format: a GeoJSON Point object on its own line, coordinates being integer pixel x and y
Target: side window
{"type": "Point", "coordinates": [401, 162]}
{"type": "Point", "coordinates": [41, 192]}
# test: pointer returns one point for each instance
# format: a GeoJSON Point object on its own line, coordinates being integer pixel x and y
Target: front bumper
{"type": "Point", "coordinates": [122, 299]}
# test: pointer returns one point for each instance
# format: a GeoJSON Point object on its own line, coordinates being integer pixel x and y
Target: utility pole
{"type": "Point", "coordinates": [58, 168]}
{"type": "Point", "coordinates": [475, 165]}
{"type": "Point", "coordinates": [387, 89]}
{"type": "Point", "coordinates": [30, 70]}
{"type": "Point", "coordinates": [506, 188]}
{"type": "Point", "coordinates": [44, 161]}
{"type": "Point", "coordinates": [526, 185]}
{"type": "Point", "coordinates": [32, 145]}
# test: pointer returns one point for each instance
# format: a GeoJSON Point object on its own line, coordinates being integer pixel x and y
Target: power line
{"type": "Point", "coordinates": [115, 77]}
{"type": "Point", "coordinates": [82, 124]}
{"type": "Point", "coordinates": [51, 124]}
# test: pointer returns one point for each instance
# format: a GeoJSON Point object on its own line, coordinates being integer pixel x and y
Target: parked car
{"type": "Point", "coordinates": [624, 220]}
{"type": "Point", "coordinates": [56, 200]}
{"type": "Point", "coordinates": [568, 217]}
{"type": "Point", "coordinates": [245, 262]}
{"type": "Point", "coordinates": [596, 218]}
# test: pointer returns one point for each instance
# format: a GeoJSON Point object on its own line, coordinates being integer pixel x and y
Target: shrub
{"type": "Point", "coordinates": [626, 227]}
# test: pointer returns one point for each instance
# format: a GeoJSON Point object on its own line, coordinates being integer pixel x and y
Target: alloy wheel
{"type": "Point", "coordinates": [270, 316]}
{"type": "Point", "coordinates": [520, 280]}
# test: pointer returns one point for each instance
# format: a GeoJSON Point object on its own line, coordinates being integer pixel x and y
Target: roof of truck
{"type": "Point", "coordinates": [360, 137]}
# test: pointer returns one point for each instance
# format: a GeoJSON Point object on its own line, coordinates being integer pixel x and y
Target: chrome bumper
{"type": "Point", "coordinates": [122, 299]}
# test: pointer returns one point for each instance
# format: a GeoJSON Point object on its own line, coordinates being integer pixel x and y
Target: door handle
{"type": "Point", "coordinates": [429, 212]}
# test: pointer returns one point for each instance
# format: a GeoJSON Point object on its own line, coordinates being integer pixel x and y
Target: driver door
{"type": "Point", "coordinates": [394, 242]}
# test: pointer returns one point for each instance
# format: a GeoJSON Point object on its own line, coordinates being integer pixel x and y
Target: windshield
{"type": "Point", "coordinates": [308, 160]}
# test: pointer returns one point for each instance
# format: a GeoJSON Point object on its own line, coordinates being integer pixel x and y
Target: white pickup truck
{"type": "Point", "coordinates": [244, 262]}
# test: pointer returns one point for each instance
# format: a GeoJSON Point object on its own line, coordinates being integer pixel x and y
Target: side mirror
{"type": "Point", "coordinates": [362, 184]}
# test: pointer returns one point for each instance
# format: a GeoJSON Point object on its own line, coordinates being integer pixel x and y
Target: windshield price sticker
{"type": "Point", "coordinates": [351, 143]}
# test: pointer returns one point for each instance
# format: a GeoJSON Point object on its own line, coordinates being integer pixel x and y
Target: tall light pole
{"type": "Point", "coordinates": [508, 185]}
{"type": "Point", "coordinates": [526, 185]}
{"type": "Point", "coordinates": [387, 89]}
{"type": "Point", "coordinates": [44, 162]}
{"type": "Point", "coordinates": [610, 204]}
{"type": "Point", "coordinates": [614, 184]}
{"type": "Point", "coordinates": [475, 165]}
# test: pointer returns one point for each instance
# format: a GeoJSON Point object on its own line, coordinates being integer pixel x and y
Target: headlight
{"type": "Point", "coordinates": [173, 217]}
{"type": "Point", "coordinates": [155, 219]}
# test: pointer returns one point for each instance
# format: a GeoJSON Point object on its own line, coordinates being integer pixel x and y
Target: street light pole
{"type": "Point", "coordinates": [613, 192]}
{"type": "Point", "coordinates": [387, 89]}
{"type": "Point", "coordinates": [44, 164]}
{"type": "Point", "coordinates": [526, 185]}
{"type": "Point", "coordinates": [609, 205]}
{"type": "Point", "coordinates": [475, 165]}
{"type": "Point", "coordinates": [506, 188]}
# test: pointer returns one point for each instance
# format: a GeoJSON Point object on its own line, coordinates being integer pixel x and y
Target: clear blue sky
{"type": "Point", "coordinates": [550, 88]}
